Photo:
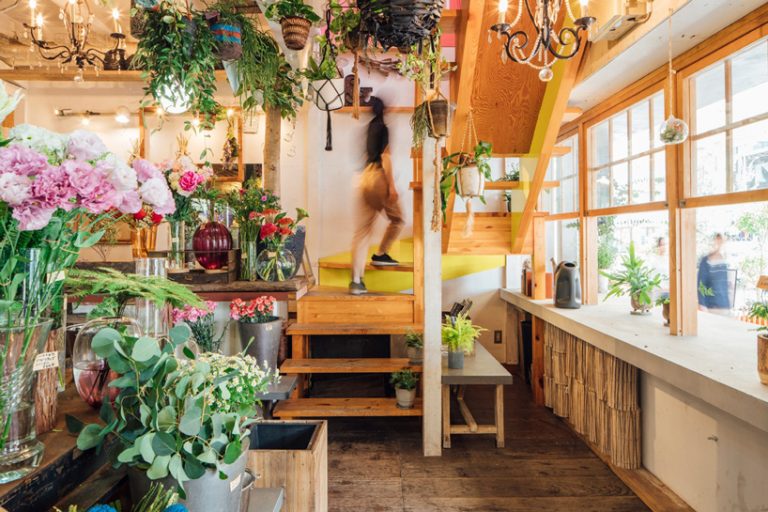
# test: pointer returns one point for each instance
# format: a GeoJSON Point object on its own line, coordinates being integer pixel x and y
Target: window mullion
{"type": "Point", "coordinates": [728, 132]}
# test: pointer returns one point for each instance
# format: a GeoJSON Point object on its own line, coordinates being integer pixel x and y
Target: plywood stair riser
{"type": "Point", "coordinates": [343, 407]}
{"type": "Point", "coordinates": [491, 235]}
{"type": "Point", "coordinates": [342, 308]}
{"type": "Point", "coordinates": [357, 365]}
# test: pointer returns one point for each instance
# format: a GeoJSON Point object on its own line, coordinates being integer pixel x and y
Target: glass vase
{"type": "Point", "coordinates": [212, 243]}
{"type": "Point", "coordinates": [20, 451]}
{"type": "Point", "coordinates": [143, 240]}
{"type": "Point", "coordinates": [176, 245]}
{"type": "Point", "coordinates": [90, 371]}
{"type": "Point", "coordinates": [276, 265]}
{"type": "Point", "coordinates": [249, 252]}
{"type": "Point", "coordinates": [154, 319]}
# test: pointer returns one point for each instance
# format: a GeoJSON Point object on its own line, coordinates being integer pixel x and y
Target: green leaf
{"type": "Point", "coordinates": [74, 425]}
{"type": "Point", "coordinates": [193, 468]}
{"type": "Point", "coordinates": [181, 386]}
{"type": "Point", "coordinates": [180, 334]}
{"type": "Point", "coordinates": [83, 243]}
{"type": "Point", "coordinates": [191, 420]}
{"type": "Point", "coordinates": [145, 447]}
{"type": "Point", "coordinates": [166, 418]}
{"type": "Point", "coordinates": [176, 468]}
{"type": "Point", "coordinates": [144, 414]}
{"type": "Point", "coordinates": [118, 363]}
{"type": "Point", "coordinates": [233, 451]}
{"type": "Point", "coordinates": [209, 456]}
{"type": "Point", "coordinates": [106, 413]}
{"type": "Point", "coordinates": [159, 467]}
{"type": "Point", "coordinates": [90, 437]}
{"type": "Point", "coordinates": [145, 349]}
{"type": "Point", "coordinates": [103, 344]}
{"type": "Point", "coordinates": [127, 455]}
{"type": "Point", "coordinates": [163, 444]}
{"type": "Point", "coordinates": [124, 381]}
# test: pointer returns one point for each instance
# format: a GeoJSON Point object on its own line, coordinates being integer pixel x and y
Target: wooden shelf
{"type": "Point", "coordinates": [449, 21]}
{"type": "Point", "coordinates": [308, 329]}
{"type": "Point", "coordinates": [389, 110]}
{"type": "Point", "coordinates": [496, 185]}
{"type": "Point", "coordinates": [55, 75]}
{"type": "Point", "coordinates": [362, 365]}
{"type": "Point", "coordinates": [339, 265]}
{"type": "Point", "coordinates": [343, 407]}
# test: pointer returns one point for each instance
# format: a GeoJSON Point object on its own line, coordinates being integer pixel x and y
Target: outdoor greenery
{"type": "Point", "coordinates": [607, 247]}
{"type": "Point", "coordinates": [755, 226]}
{"type": "Point", "coordinates": [634, 279]}
{"type": "Point", "coordinates": [459, 334]}
{"type": "Point", "coordinates": [759, 310]}
{"type": "Point", "coordinates": [404, 379]}
{"type": "Point", "coordinates": [291, 8]}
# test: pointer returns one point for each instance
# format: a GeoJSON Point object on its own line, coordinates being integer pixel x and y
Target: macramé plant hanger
{"type": "Point", "coordinates": [470, 180]}
{"type": "Point", "coordinates": [328, 95]}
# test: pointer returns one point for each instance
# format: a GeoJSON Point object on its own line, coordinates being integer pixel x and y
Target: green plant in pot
{"type": "Point", "coordinates": [345, 26]}
{"type": "Point", "coordinates": [325, 80]}
{"type": "Point", "coordinates": [663, 301]}
{"type": "Point", "coordinates": [295, 19]}
{"type": "Point", "coordinates": [181, 420]}
{"type": "Point", "coordinates": [759, 311]}
{"type": "Point", "coordinates": [405, 382]}
{"type": "Point", "coordinates": [414, 343]}
{"type": "Point", "coordinates": [459, 335]}
{"type": "Point", "coordinates": [635, 279]}
{"type": "Point", "coordinates": [466, 174]}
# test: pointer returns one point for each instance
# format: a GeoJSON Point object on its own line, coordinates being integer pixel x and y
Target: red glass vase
{"type": "Point", "coordinates": [211, 243]}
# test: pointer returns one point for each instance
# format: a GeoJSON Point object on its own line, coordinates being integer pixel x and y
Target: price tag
{"type": "Point", "coordinates": [46, 361]}
{"type": "Point", "coordinates": [56, 276]}
{"type": "Point", "coordinates": [762, 283]}
{"type": "Point", "coordinates": [234, 484]}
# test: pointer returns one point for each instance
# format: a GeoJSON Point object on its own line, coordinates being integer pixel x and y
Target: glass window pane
{"type": "Point", "coordinates": [659, 176]}
{"type": "Point", "coordinates": [750, 157]}
{"type": "Point", "coordinates": [640, 128]}
{"type": "Point", "coordinates": [749, 79]}
{"type": "Point", "coordinates": [709, 165]}
{"type": "Point", "coordinates": [562, 241]}
{"type": "Point", "coordinates": [568, 189]}
{"type": "Point", "coordinates": [658, 117]}
{"type": "Point", "coordinates": [601, 189]}
{"type": "Point", "coordinates": [641, 180]}
{"type": "Point", "coordinates": [619, 137]}
{"type": "Point", "coordinates": [600, 144]}
{"type": "Point", "coordinates": [709, 87]}
{"type": "Point", "coordinates": [620, 181]}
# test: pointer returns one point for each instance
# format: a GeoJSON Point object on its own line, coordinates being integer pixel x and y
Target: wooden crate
{"type": "Point", "coordinates": [292, 455]}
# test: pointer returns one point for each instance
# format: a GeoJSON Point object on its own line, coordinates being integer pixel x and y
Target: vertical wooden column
{"type": "Point", "coordinates": [537, 360]}
{"type": "Point", "coordinates": [433, 295]}
{"type": "Point", "coordinates": [539, 258]}
{"type": "Point", "coordinates": [587, 228]}
{"type": "Point", "coordinates": [271, 170]}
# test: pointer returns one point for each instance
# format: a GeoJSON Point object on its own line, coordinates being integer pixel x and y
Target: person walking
{"type": "Point", "coordinates": [376, 194]}
{"type": "Point", "coordinates": [713, 285]}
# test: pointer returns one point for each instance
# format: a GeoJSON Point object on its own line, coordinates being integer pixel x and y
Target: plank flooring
{"type": "Point", "coordinates": [375, 465]}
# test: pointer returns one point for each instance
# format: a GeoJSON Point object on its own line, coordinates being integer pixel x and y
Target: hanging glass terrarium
{"type": "Point", "coordinates": [673, 130]}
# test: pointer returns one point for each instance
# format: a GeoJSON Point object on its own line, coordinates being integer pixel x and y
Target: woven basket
{"type": "Point", "coordinates": [228, 37]}
{"type": "Point", "coordinates": [295, 32]}
{"type": "Point", "coordinates": [440, 124]}
{"type": "Point", "coordinates": [399, 23]}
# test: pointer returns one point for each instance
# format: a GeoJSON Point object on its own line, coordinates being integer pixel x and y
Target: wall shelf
{"type": "Point", "coordinates": [389, 110]}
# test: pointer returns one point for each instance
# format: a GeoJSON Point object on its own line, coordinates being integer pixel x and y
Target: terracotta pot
{"type": "Point", "coordinates": [405, 398]}
{"type": "Point", "coordinates": [762, 358]}
{"type": "Point", "coordinates": [295, 32]}
{"type": "Point", "coordinates": [471, 181]}
{"type": "Point", "coordinates": [211, 243]}
{"type": "Point", "coordinates": [638, 308]}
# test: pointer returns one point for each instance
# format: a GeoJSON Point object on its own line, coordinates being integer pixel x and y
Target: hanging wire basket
{"type": "Point", "coordinates": [399, 23]}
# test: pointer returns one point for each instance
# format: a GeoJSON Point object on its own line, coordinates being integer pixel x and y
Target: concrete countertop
{"type": "Point", "coordinates": [719, 365]}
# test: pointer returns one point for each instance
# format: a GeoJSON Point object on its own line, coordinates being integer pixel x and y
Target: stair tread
{"type": "Point", "coordinates": [342, 265]}
{"type": "Point", "coordinates": [348, 365]}
{"type": "Point", "coordinates": [337, 328]}
{"type": "Point", "coordinates": [342, 294]}
{"type": "Point", "coordinates": [343, 407]}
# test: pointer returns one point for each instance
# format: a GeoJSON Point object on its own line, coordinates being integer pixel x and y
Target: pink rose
{"type": "Point", "coordinates": [18, 159]}
{"type": "Point", "coordinates": [188, 183]}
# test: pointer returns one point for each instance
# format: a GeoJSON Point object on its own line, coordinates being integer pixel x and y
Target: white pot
{"type": "Point", "coordinates": [471, 182]}
{"type": "Point", "coordinates": [329, 94]}
{"type": "Point", "coordinates": [405, 398]}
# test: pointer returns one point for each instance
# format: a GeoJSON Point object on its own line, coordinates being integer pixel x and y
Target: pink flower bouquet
{"type": "Point", "coordinates": [257, 311]}
{"type": "Point", "coordinates": [186, 180]}
{"type": "Point", "coordinates": [200, 321]}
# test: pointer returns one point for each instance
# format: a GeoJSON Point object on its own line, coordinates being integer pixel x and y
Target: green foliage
{"type": "Point", "coordinates": [705, 291]}
{"type": "Point", "coordinates": [755, 225]}
{"type": "Point", "coordinates": [324, 70]}
{"type": "Point", "coordinates": [345, 24]}
{"type": "Point", "coordinates": [291, 8]}
{"type": "Point", "coordinates": [607, 249]}
{"type": "Point", "coordinates": [634, 279]}
{"type": "Point", "coordinates": [453, 163]}
{"type": "Point", "coordinates": [119, 288]}
{"type": "Point", "coordinates": [459, 334]}
{"type": "Point", "coordinates": [760, 310]}
{"type": "Point", "coordinates": [414, 339]}
{"type": "Point", "coordinates": [404, 379]}
{"type": "Point", "coordinates": [247, 203]}
{"type": "Point", "coordinates": [511, 175]}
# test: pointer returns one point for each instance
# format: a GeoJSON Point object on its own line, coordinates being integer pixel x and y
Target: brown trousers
{"type": "Point", "coordinates": [373, 199]}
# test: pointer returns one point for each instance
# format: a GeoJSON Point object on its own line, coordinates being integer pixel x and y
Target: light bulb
{"type": "Point", "coordinates": [196, 122]}
{"type": "Point", "coordinates": [33, 4]}
{"type": "Point", "coordinates": [230, 112]}
{"type": "Point", "coordinates": [583, 3]}
{"type": "Point", "coordinates": [85, 120]}
{"type": "Point", "coordinates": [39, 21]}
{"type": "Point", "coordinates": [545, 75]}
{"type": "Point", "coordinates": [503, 5]}
{"type": "Point", "coordinates": [116, 13]}
{"type": "Point", "coordinates": [122, 115]}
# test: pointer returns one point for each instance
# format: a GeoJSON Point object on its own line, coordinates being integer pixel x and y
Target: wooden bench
{"type": "Point", "coordinates": [483, 368]}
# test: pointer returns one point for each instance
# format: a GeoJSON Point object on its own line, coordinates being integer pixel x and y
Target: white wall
{"type": "Point", "coordinates": [715, 462]}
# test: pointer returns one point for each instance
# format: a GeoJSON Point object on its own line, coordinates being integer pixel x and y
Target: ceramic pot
{"type": "Point", "coordinates": [456, 360]}
{"type": "Point", "coordinates": [211, 243]}
{"type": "Point", "coordinates": [329, 94]}
{"type": "Point", "coordinates": [295, 32]}
{"type": "Point", "coordinates": [405, 398]}
{"type": "Point", "coordinates": [638, 308]}
{"type": "Point", "coordinates": [415, 355]}
{"type": "Point", "coordinates": [262, 341]}
{"type": "Point", "coordinates": [471, 182]}
{"type": "Point", "coordinates": [762, 357]}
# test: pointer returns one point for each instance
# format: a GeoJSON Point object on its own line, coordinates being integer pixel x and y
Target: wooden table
{"type": "Point", "coordinates": [483, 368]}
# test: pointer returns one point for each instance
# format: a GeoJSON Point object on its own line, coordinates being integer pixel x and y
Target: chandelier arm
{"type": "Point", "coordinates": [527, 60]}
{"type": "Point", "coordinates": [576, 44]}
{"type": "Point", "coordinates": [509, 44]}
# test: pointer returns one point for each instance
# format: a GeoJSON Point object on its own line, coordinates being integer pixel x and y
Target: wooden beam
{"type": "Point", "coordinates": [571, 114]}
{"type": "Point", "coordinates": [537, 360]}
{"type": "Point", "coordinates": [539, 258]}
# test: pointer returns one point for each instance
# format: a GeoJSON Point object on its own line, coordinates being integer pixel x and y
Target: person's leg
{"type": "Point", "coordinates": [365, 220]}
{"type": "Point", "coordinates": [394, 214]}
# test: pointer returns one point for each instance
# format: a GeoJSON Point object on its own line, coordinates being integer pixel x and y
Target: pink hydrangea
{"type": "Point", "coordinates": [32, 216]}
{"type": "Point", "coordinates": [85, 145]}
{"type": "Point", "coordinates": [15, 189]}
{"type": "Point", "coordinates": [18, 159]}
{"type": "Point", "coordinates": [52, 189]}
{"type": "Point", "coordinates": [146, 170]}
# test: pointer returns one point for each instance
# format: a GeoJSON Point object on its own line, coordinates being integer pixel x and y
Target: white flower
{"type": "Point", "coordinates": [51, 144]}
{"type": "Point", "coordinates": [14, 189]}
{"type": "Point", "coordinates": [122, 176]}
{"type": "Point", "coordinates": [85, 145]}
{"type": "Point", "coordinates": [8, 103]}
{"type": "Point", "coordinates": [155, 191]}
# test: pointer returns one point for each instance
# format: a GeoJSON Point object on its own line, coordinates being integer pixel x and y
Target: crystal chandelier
{"type": "Point", "coordinates": [77, 17]}
{"type": "Point", "coordinates": [548, 44]}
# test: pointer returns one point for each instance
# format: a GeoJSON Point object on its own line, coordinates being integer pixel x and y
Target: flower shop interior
{"type": "Point", "coordinates": [384, 255]}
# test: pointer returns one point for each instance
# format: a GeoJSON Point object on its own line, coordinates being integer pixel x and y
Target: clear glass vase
{"type": "Point", "coordinates": [176, 246]}
{"type": "Point", "coordinates": [276, 264]}
{"type": "Point", "coordinates": [20, 451]}
{"type": "Point", "coordinates": [90, 371]}
{"type": "Point", "coordinates": [249, 252]}
{"type": "Point", "coordinates": [154, 319]}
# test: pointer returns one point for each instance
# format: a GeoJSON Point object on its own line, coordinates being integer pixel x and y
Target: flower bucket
{"type": "Point", "coordinates": [262, 340]}
{"type": "Point", "coordinates": [456, 360]}
{"type": "Point", "coordinates": [143, 241]}
{"type": "Point", "coordinates": [329, 94]}
{"type": "Point", "coordinates": [295, 32]}
{"type": "Point", "coordinates": [471, 182]}
{"type": "Point", "coordinates": [228, 37]}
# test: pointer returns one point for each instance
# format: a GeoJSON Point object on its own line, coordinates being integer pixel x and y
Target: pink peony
{"type": "Point", "coordinates": [128, 202]}
{"type": "Point", "coordinates": [146, 170]}
{"type": "Point", "coordinates": [18, 159]}
{"type": "Point", "coordinates": [15, 189]}
{"type": "Point", "coordinates": [32, 217]}
{"type": "Point", "coordinates": [188, 183]}
{"type": "Point", "coordinates": [156, 193]}
{"type": "Point", "coordinates": [83, 177]}
{"type": "Point", "coordinates": [53, 189]}
{"type": "Point", "coordinates": [121, 176]}
{"type": "Point", "coordinates": [85, 145]}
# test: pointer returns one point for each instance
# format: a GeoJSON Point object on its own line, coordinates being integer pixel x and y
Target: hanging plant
{"type": "Point", "coordinates": [177, 56]}
{"type": "Point", "coordinates": [227, 32]}
{"type": "Point", "coordinates": [345, 27]}
{"type": "Point", "coordinates": [295, 19]}
{"type": "Point", "coordinates": [466, 174]}
{"type": "Point", "coordinates": [399, 23]}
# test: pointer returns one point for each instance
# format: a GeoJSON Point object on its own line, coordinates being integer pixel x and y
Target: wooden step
{"type": "Point", "coordinates": [324, 329]}
{"type": "Point", "coordinates": [404, 266]}
{"type": "Point", "coordinates": [342, 407]}
{"type": "Point", "coordinates": [332, 293]}
{"type": "Point", "coordinates": [363, 365]}
{"type": "Point", "coordinates": [338, 306]}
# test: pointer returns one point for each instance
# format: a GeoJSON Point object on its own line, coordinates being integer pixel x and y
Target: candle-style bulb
{"type": "Point", "coordinates": [503, 6]}
{"type": "Point", "coordinates": [33, 4]}
{"type": "Point", "coordinates": [116, 13]}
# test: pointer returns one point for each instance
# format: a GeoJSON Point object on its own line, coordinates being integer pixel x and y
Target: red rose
{"type": "Point", "coordinates": [156, 218]}
{"type": "Point", "coordinates": [268, 230]}
{"type": "Point", "coordinates": [140, 214]}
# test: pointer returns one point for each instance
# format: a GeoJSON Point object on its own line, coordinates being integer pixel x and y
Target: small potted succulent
{"type": "Point", "coordinates": [759, 311]}
{"type": "Point", "coordinates": [414, 342]}
{"type": "Point", "coordinates": [459, 335]}
{"type": "Point", "coordinates": [663, 301]}
{"type": "Point", "coordinates": [635, 279]}
{"type": "Point", "coordinates": [295, 19]}
{"type": "Point", "coordinates": [405, 382]}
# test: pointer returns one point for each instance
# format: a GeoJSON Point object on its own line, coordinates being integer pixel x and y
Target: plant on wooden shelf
{"type": "Point", "coordinates": [414, 342]}
{"type": "Point", "coordinates": [275, 262]}
{"type": "Point", "coordinates": [663, 301]}
{"type": "Point", "coordinates": [200, 320]}
{"type": "Point", "coordinates": [405, 382]}
{"type": "Point", "coordinates": [181, 420]}
{"type": "Point", "coordinates": [466, 174]}
{"type": "Point", "coordinates": [295, 19]}
{"type": "Point", "coordinates": [260, 329]}
{"type": "Point", "coordinates": [459, 335]}
{"type": "Point", "coordinates": [635, 279]}
{"type": "Point", "coordinates": [759, 311]}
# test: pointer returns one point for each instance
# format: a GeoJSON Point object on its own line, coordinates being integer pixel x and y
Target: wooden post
{"type": "Point", "coordinates": [539, 258]}
{"type": "Point", "coordinates": [589, 270]}
{"type": "Point", "coordinates": [537, 360]}
{"type": "Point", "coordinates": [433, 288]}
{"type": "Point", "coordinates": [271, 170]}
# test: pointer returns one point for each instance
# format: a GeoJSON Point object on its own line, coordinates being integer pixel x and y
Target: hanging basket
{"type": "Point", "coordinates": [228, 37]}
{"type": "Point", "coordinates": [233, 74]}
{"type": "Point", "coordinates": [329, 93]}
{"type": "Point", "coordinates": [471, 182]}
{"type": "Point", "coordinates": [399, 23]}
{"type": "Point", "coordinates": [439, 125]}
{"type": "Point", "coordinates": [295, 32]}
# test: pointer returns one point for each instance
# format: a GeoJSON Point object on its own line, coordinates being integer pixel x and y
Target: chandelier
{"type": "Point", "coordinates": [77, 17]}
{"type": "Point", "coordinates": [543, 49]}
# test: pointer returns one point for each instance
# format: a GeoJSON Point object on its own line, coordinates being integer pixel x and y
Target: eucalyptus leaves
{"type": "Point", "coordinates": [175, 416]}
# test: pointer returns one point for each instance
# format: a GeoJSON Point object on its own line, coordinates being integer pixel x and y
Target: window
{"type": "Point", "coordinates": [729, 123]}
{"type": "Point", "coordinates": [562, 242]}
{"type": "Point", "coordinates": [626, 160]}
{"type": "Point", "coordinates": [563, 169]}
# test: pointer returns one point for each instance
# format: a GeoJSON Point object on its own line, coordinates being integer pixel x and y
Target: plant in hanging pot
{"type": "Point", "coordinates": [227, 32]}
{"type": "Point", "coordinates": [295, 19]}
{"type": "Point", "coordinates": [466, 173]}
{"type": "Point", "coordinates": [405, 382]}
{"type": "Point", "coordinates": [399, 23]}
{"type": "Point", "coordinates": [182, 421]}
{"type": "Point", "coordinates": [326, 81]}
{"type": "Point", "coordinates": [345, 26]}
{"type": "Point", "coordinates": [635, 279]}
{"type": "Point", "coordinates": [260, 330]}
{"type": "Point", "coordinates": [414, 342]}
{"type": "Point", "coordinates": [275, 262]}
{"type": "Point", "coordinates": [200, 320]}
{"type": "Point", "coordinates": [459, 335]}
{"type": "Point", "coordinates": [759, 310]}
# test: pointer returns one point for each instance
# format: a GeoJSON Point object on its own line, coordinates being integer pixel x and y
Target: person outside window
{"type": "Point", "coordinates": [712, 281]}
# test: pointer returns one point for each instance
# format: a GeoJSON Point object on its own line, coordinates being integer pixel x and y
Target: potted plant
{"type": "Point", "coordinates": [459, 335]}
{"type": "Point", "coordinates": [759, 310]}
{"type": "Point", "coordinates": [183, 421]}
{"type": "Point", "coordinates": [414, 342]}
{"type": "Point", "coordinates": [512, 175]}
{"type": "Point", "coordinates": [295, 19]}
{"type": "Point", "coordinates": [634, 279]}
{"type": "Point", "coordinates": [663, 301]}
{"type": "Point", "coordinates": [405, 382]}
{"type": "Point", "coordinates": [399, 23]}
{"type": "Point", "coordinates": [260, 330]}
{"type": "Point", "coordinates": [326, 81]}
{"type": "Point", "coordinates": [345, 26]}
{"type": "Point", "coordinates": [466, 173]}
{"type": "Point", "coordinates": [200, 321]}
{"type": "Point", "coordinates": [158, 499]}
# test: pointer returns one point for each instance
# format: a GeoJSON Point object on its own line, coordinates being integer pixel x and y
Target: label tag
{"type": "Point", "coordinates": [53, 277]}
{"type": "Point", "coordinates": [234, 484]}
{"type": "Point", "coordinates": [46, 361]}
{"type": "Point", "coordinates": [762, 283]}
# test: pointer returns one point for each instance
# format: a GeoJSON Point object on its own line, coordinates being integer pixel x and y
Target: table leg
{"type": "Point", "coordinates": [499, 413]}
{"type": "Point", "coordinates": [446, 416]}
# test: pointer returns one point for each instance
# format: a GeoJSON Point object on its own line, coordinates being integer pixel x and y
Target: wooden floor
{"type": "Point", "coordinates": [375, 465]}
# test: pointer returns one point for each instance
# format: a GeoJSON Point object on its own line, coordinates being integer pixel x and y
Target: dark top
{"type": "Point", "coordinates": [715, 277]}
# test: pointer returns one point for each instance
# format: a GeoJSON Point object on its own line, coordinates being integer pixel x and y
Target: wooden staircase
{"type": "Point", "coordinates": [333, 312]}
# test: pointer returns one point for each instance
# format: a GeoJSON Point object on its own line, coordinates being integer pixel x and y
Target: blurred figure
{"type": "Point", "coordinates": [659, 261]}
{"type": "Point", "coordinates": [712, 281]}
{"type": "Point", "coordinates": [376, 194]}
